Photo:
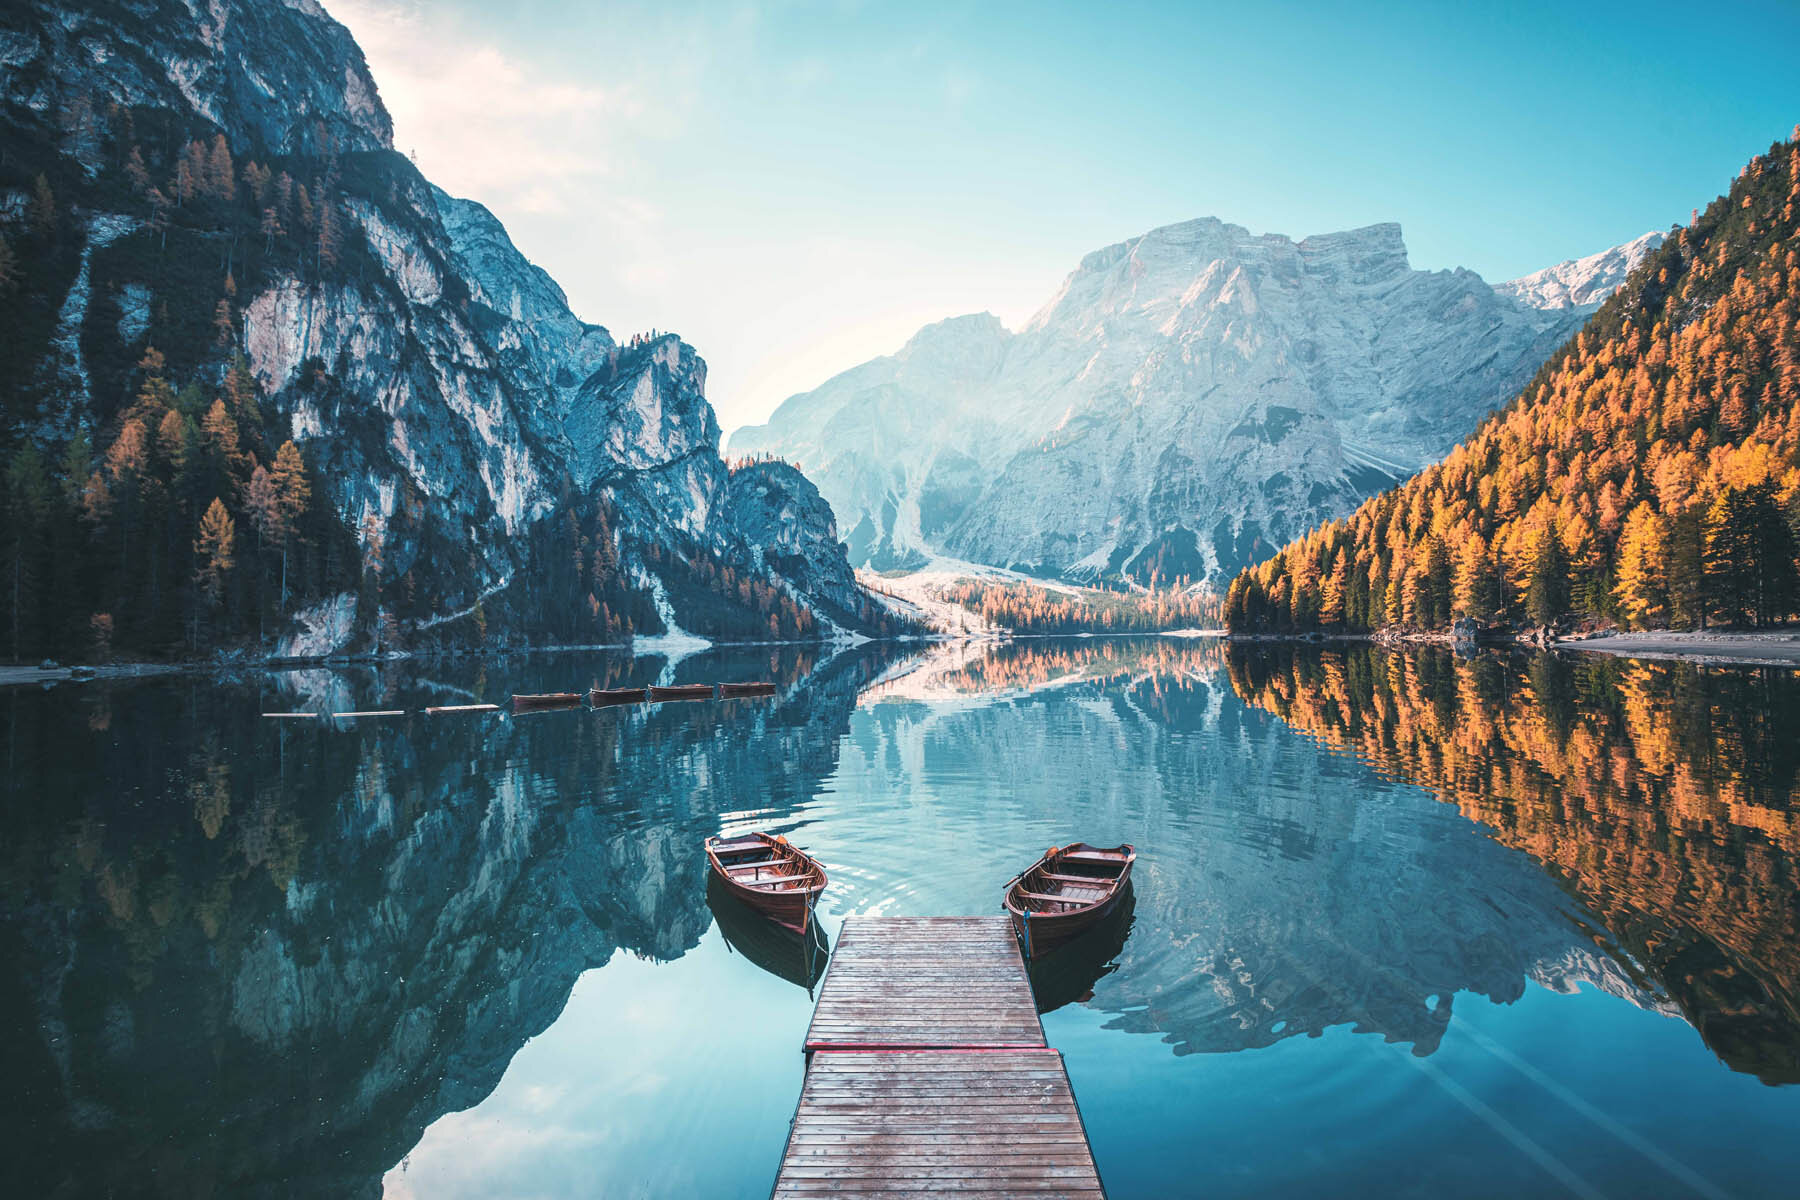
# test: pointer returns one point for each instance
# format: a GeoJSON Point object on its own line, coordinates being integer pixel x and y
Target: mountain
{"type": "Point", "coordinates": [1188, 400]}
{"type": "Point", "coordinates": [1581, 281]}
{"type": "Point", "coordinates": [1649, 474]}
{"type": "Point", "coordinates": [470, 459]}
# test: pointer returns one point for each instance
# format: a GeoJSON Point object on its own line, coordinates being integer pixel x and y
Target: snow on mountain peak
{"type": "Point", "coordinates": [1581, 281]}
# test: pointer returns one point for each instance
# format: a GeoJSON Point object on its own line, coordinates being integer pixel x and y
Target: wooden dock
{"type": "Point", "coordinates": [927, 1071]}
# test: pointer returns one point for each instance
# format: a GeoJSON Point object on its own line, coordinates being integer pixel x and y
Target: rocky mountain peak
{"type": "Point", "coordinates": [1183, 396]}
{"type": "Point", "coordinates": [1581, 281]}
{"type": "Point", "coordinates": [281, 78]}
{"type": "Point", "coordinates": [1370, 255]}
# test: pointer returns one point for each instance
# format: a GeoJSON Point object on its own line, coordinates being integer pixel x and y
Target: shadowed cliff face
{"type": "Point", "coordinates": [267, 970]}
{"type": "Point", "coordinates": [1662, 796]}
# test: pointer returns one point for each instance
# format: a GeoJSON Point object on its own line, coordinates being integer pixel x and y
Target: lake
{"type": "Point", "coordinates": [1404, 924]}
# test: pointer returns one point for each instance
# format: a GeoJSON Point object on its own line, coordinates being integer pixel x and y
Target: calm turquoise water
{"type": "Point", "coordinates": [1403, 925]}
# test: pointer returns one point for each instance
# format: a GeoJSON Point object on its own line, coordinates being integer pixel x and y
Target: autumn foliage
{"type": "Point", "coordinates": [1032, 608]}
{"type": "Point", "coordinates": [1649, 474]}
{"type": "Point", "coordinates": [1663, 795]}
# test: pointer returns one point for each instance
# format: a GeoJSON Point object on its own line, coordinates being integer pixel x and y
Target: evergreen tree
{"type": "Point", "coordinates": [215, 551]}
{"type": "Point", "coordinates": [1547, 593]}
{"type": "Point", "coordinates": [1477, 583]}
{"type": "Point", "coordinates": [1749, 555]}
{"type": "Point", "coordinates": [43, 207]}
{"type": "Point", "coordinates": [1438, 590]}
{"type": "Point", "coordinates": [1642, 584]}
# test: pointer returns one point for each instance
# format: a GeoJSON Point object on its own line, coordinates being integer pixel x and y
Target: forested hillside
{"type": "Point", "coordinates": [1648, 475]}
{"type": "Point", "coordinates": [187, 517]}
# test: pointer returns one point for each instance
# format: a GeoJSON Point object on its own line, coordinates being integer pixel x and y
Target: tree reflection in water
{"type": "Point", "coordinates": [1662, 795]}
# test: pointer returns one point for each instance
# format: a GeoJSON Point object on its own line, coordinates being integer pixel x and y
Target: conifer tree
{"type": "Point", "coordinates": [1749, 554]}
{"type": "Point", "coordinates": [1547, 593]}
{"type": "Point", "coordinates": [137, 173]}
{"type": "Point", "coordinates": [221, 174]}
{"type": "Point", "coordinates": [215, 550]}
{"type": "Point", "coordinates": [1642, 584]}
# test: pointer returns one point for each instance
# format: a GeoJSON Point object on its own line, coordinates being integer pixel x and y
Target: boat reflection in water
{"type": "Point", "coordinates": [1067, 974]}
{"type": "Point", "coordinates": [786, 953]}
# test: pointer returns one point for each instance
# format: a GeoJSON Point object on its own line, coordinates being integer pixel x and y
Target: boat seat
{"type": "Point", "coordinates": [1056, 899]}
{"type": "Point", "coordinates": [769, 883]}
{"type": "Point", "coordinates": [1089, 856]}
{"type": "Point", "coordinates": [1090, 880]}
{"type": "Point", "coordinates": [754, 868]}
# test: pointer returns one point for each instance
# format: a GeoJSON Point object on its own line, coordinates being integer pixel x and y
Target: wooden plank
{"type": "Point", "coordinates": [986, 1123]}
{"type": "Point", "coordinates": [925, 981]}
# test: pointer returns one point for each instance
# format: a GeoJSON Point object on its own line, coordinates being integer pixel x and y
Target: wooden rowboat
{"type": "Point", "coordinates": [599, 697]}
{"type": "Point", "coordinates": [776, 878]}
{"type": "Point", "coordinates": [728, 690]}
{"type": "Point", "coordinates": [1067, 892]}
{"type": "Point", "coordinates": [686, 691]}
{"type": "Point", "coordinates": [546, 700]}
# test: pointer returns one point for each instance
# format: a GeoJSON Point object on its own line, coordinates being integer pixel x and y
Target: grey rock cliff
{"type": "Point", "coordinates": [1187, 400]}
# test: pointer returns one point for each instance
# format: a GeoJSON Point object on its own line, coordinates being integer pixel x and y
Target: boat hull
{"type": "Point", "coordinates": [549, 700]}
{"type": "Point", "coordinates": [693, 691]}
{"type": "Point", "coordinates": [797, 876]}
{"type": "Point", "coordinates": [1041, 930]}
{"type": "Point", "coordinates": [601, 697]}
{"type": "Point", "coordinates": [1052, 931]}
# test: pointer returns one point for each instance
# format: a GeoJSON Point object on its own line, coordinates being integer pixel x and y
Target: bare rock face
{"type": "Point", "coordinates": [1189, 399]}
{"type": "Point", "coordinates": [779, 511]}
{"type": "Point", "coordinates": [284, 76]}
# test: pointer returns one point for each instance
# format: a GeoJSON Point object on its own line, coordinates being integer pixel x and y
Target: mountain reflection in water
{"type": "Point", "coordinates": [250, 957]}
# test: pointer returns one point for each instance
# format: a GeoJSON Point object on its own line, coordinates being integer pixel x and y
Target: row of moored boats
{"type": "Point", "coordinates": [605, 697]}
{"type": "Point", "coordinates": [1068, 891]}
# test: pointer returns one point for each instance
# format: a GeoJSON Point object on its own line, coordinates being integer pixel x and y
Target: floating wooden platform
{"type": "Point", "coordinates": [927, 1072]}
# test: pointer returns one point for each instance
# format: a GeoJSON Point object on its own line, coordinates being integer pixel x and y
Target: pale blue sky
{"type": "Point", "coordinates": [795, 187]}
